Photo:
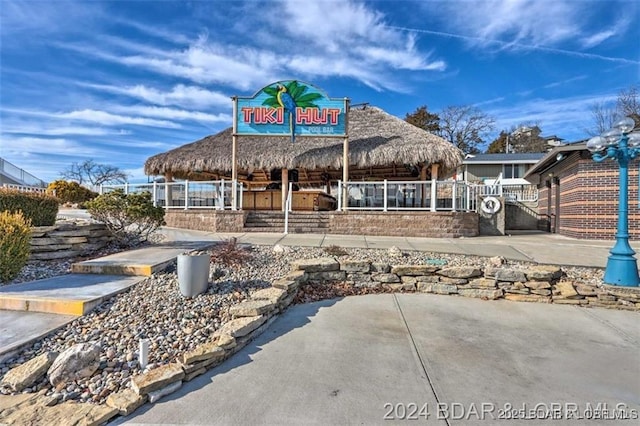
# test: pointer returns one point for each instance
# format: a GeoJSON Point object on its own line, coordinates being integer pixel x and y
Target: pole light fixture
{"type": "Point", "coordinates": [623, 145]}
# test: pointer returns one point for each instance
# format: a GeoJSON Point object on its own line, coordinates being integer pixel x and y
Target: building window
{"type": "Point", "coordinates": [513, 171]}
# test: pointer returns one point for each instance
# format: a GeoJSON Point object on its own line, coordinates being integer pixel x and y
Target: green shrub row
{"type": "Point", "coordinates": [15, 236]}
{"type": "Point", "coordinates": [40, 209]}
{"type": "Point", "coordinates": [70, 192]}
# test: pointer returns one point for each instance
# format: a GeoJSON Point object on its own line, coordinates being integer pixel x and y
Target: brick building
{"type": "Point", "coordinates": [579, 197]}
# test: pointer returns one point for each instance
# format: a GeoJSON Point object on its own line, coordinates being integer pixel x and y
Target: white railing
{"type": "Point", "coordinates": [21, 175]}
{"type": "Point", "coordinates": [433, 195]}
{"type": "Point", "coordinates": [23, 188]}
{"type": "Point", "coordinates": [404, 195]}
{"type": "Point", "coordinates": [186, 194]}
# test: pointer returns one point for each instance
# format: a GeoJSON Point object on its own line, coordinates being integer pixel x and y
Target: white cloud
{"type": "Point", "coordinates": [173, 114]}
{"type": "Point", "coordinates": [180, 95]}
{"type": "Point", "coordinates": [597, 38]}
{"type": "Point", "coordinates": [107, 118]}
{"type": "Point", "coordinates": [517, 21]}
{"type": "Point", "coordinates": [35, 145]}
{"type": "Point", "coordinates": [52, 129]}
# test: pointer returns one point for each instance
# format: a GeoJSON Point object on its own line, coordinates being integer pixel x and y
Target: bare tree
{"type": "Point", "coordinates": [90, 172]}
{"type": "Point", "coordinates": [465, 127]}
{"type": "Point", "coordinates": [604, 116]}
{"type": "Point", "coordinates": [628, 104]}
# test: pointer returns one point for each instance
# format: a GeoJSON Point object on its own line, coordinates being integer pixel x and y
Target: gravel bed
{"type": "Point", "coordinates": [155, 310]}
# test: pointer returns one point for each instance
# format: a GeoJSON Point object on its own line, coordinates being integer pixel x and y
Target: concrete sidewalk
{"type": "Point", "coordinates": [360, 359]}
{"type": "Point", "coordinates": [533, 247]}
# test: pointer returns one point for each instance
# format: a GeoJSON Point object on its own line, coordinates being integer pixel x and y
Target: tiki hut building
{"type": "Point", "coordinates": [381, 147]}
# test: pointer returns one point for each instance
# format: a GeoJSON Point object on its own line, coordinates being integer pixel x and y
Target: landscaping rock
{"type": "Point", "coordinates": [527, 298]}
{"type": "Point", "coordinates": [28, 373]}
{"type": "Point", "coordinates": [460, 272]}
{"type": "Point", "coordinates": [252, 308]}
{"type": "Point", "coordinates": [323, 264]}
{"type": "Point", "coordinates": [327, 276]}
{"type": "Point", "coordinates": [126, 401]}
{"type": "Point", "coordinates": [380, 267]}
{"type": "Point", "coordinates": [385, 278]}
{"type": "Point", "coordinates": [75, 363]}
{"type": "Point", "coordinates": [272, 294]}
{"type": "Point", "coordinates": [157, 378]}
{"type": "Point", "coordinates": [567, 290]}
{"type": "Point", "coordinates": [483, 283]}
{"type": "Point", "coordinates": [440, 288]}
{"type": "Point", "coordinates": [203, 352]}
{"type": "Point", "coordinates": [544, 273]}
{"type": "Point", "coordinates": [286, 284]}
{"type": "Point", "coordinates": [355, 266]}
{"type": "Point", "coordinates": [414, 270]}
{"type": "Point", "coordinates": [169, 389]}
{"type": "Point", "coordinates": [241, 326]}
{"type": "Point", "coordinates": [480, 293]}
{"type": "Point", "coordinates": [510, 275]}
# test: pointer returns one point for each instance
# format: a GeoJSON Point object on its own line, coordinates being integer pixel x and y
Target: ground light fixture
{"type": "Point", "coordinates": [623, 145]}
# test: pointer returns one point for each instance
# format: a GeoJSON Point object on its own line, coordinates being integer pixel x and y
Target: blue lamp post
{"type": "Point", "coordinates": [621, 145]}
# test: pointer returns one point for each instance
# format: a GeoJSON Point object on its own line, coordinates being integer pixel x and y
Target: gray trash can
{"type": "Point", "coordinates": [193, 274]}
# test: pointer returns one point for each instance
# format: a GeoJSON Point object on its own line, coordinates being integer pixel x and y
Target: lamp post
{"type": "Point", "coordinates": [622, 145]}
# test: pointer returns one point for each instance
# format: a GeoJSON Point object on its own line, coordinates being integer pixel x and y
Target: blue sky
{"type": "Point", "coordinates": [120, 81]}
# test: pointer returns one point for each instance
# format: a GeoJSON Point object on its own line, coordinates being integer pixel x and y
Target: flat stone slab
{"type": "Point", "coordinates": [72, 294]}
{"type": "Point", "coordinates": [157, 379]}
{"type": "Point", "coordinates": [144, 261]}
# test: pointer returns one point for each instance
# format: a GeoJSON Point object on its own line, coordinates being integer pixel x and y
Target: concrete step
{"type": "Point", "coordinates": [71, 294]}
{"type": "Point", "coordinates": [141, 262]}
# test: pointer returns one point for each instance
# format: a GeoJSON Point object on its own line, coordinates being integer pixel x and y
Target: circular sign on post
{"type": "Point", "coordinates": [490, 205]}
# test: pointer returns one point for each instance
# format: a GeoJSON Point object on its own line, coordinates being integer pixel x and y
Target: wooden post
{"type": "Point", "coordinates": [423, 185]}
{"type": "Point", "coordinates": [285, 187]}
{"type": "Point", "coordinates": [345, 157]}
{"type": "Point", "coordinates": [434, 171]}
{"type": "Point", "coordinates": [234, 155]}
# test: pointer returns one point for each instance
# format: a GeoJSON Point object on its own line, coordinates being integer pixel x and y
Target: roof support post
{"type": "Point", "coordinates": [168, 179]}
{"type": "Point", "coordinates": [234, 155]}
{"type": "Point", "coordinates": [423, 185]}
{"type": "Point", "coordinates": [285, 187]}
{"type": "Point", "coordinates": [345, 156]}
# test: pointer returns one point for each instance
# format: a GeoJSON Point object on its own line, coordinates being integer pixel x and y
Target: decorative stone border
{"type": "Point", "coordinates": [542, 283]}
{"type": "Point", "coordinates": [539, 283]}
{"type": "Point", "coordinates": [67, 239]}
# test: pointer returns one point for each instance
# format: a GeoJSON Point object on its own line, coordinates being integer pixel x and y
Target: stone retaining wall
{"type": "Point", "coordinates": [404, 224]}
{"type": "Point", "coordinates": [541, 283]}
{"type": "Point", "coordinates": [67, 239]}
{"type": "Point", "coordinates": [206, 220]}
{"type": "Point", "coordinates": [415, 224]}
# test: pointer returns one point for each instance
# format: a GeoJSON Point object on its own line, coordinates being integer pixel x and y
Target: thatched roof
{"type": "Point", "coordinates": [375, 139]}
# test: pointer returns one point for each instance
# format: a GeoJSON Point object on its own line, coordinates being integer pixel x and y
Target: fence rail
{"type": "Point", "coordinates": [23, 188]}
{"type": "Point", "coordinates": [21, 175]}
{"type": "Point", "coordinates": [185, 195]}
{"type": "Point", "coordinates": [381, 195]}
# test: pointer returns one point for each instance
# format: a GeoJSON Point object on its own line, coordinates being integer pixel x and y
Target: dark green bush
{"type": "Point", "coordinates": [41, 209]}
{"type": "Point", "coordinates": [70, 192]}
{"type": "Point", "coordinates": [15, 235]}
{"type": "Point", "coordinates": [131, 218]}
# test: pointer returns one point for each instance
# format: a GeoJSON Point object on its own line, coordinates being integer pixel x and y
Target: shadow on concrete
{"type": "Point", "coordinates": [281, 326]}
